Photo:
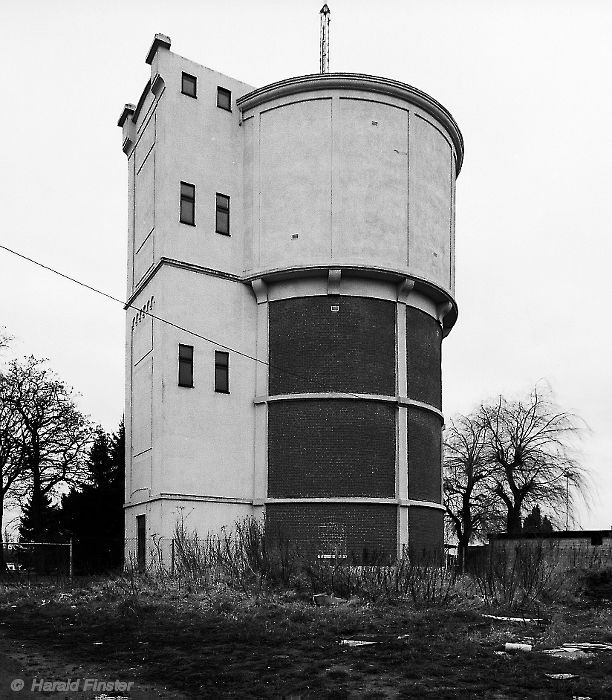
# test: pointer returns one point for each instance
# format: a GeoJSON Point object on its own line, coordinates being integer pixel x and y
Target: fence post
{"type": "Point", "coordinates": [70, 556]}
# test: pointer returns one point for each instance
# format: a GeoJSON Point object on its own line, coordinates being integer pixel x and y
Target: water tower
{"type": "Point", "coordinates": [308, 224]}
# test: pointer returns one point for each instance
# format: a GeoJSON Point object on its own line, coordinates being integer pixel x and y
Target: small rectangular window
{"type": "Point", "coordinates": [189, 85]}
{"type": "Point", "coordinates": [185, 377]}
{"type": "Point", "coordinates": [187, 204]}
{"type": "Point", "coordinates": [224, 99]}
{"type": "Point", "coordinates": [222, 224]}
{"type": "Point", "coordinates": [222, 372]}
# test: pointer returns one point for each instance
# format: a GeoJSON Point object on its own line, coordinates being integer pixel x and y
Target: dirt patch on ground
{"type": "Point", "coordinates": [176, 645]}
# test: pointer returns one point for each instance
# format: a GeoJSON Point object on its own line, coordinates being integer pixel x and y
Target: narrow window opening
{"type": "Point", "coordinates": [189, 85]}
{"type": "Point", "coordinates": [185, 377]}
{"type": "Point", "coordinates": [224, 99]}
{"type": "Point", "coordinates": [222, 372]}
{"type": "Point", "coordinates": [187, 204]}
{"type": "Point", "coordinates": [222, 223]}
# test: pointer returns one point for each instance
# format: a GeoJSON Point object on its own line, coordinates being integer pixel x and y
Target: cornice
{"type": "Point", "coordinates": [363, 83]}
{"type": "Point", "coordinates": [448, 310]}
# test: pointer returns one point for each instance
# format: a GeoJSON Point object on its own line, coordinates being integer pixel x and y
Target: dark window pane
{"type": "Point", "coordinates": [221, 383]}
{"type": "Point", "coordinates": [224, 99]}
{"type": "Point", "coordinates": [222, 221]}
{"type": "Point", "coordinates": [187, 211]}
{"type": "Point", "coordinates": [223, 201]}
{"type": "Point", "coordinates": [222, 224]}
{"type": "Point", "coordinates": [221, 371]}
{"type": "Point", "coordinates": [189, 85]}
{"type": "Point", "coordinates": [187, 190]}
{"type": "Point", "coordinates": [185, 365]}
{"type": "Point", "coordinates": [186, 352]}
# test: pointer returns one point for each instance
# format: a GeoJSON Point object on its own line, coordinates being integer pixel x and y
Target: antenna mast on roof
{"type": "Point", "coordinates": [324, 62]}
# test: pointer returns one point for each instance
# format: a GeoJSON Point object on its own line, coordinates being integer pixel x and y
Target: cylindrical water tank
{"type": "Point", "coordinates": [349, 221]}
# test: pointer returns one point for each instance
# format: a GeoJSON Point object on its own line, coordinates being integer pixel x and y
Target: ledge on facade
{"type": "Point", "coordinates": [447, 311]}
{"type": "Point", "coordinates": [362, 82]}
{"type": "Point", "coordinates": [159, 40]}
{"type": "Point", "coordinates": [128, 110]}
{"type": "Point", "coordinates": [403, 401]}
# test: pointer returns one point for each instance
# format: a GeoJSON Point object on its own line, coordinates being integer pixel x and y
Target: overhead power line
{"type": "Point", "coordinates": [125, 305]}
{"type": "Point", "coordinates": [131, 306]}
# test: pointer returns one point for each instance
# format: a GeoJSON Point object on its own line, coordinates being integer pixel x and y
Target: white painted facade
{"type": "Point", "coordinates": [338, 183]}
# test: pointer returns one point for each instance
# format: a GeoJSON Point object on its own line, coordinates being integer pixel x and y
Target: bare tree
{"type": "Point", "coordinates": [5, 338]}
{"type": "Point", "coordinates": [53, 434]}
{"type": "Point", "coordinates": [531, 446]}
{"type": "Point", "coordinates": [12, 450]}
{"type": "Point", "coordinates": [471, 506]}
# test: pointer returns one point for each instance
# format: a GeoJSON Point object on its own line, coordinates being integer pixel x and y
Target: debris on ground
{"type": "Point", "coordinates": [356, 642]}
{"type": "Point", "coordinates": [561, 676]}
{"type": "Point", "coordinates": [588, 645]}
{"type": "Point", "coordinates": [569, 653]}
{"type": "Point", "coordinates": [534, 620]}
{"type": "Point", "coordinates": [513, 646]}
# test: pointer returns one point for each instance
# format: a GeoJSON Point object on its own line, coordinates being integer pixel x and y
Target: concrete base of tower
{"type": "Point", "coordinates": [151, 526]}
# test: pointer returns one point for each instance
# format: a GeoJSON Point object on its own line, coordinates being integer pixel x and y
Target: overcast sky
{"type": "Point", "coordinates": [529, 83]}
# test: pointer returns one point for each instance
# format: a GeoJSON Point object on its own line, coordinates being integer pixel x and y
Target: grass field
{"type": "Point", "coordinates": [176, 642]}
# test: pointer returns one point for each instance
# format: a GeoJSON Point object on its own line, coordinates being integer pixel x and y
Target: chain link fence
{"type": "Point", "coordinates": [37, 558]}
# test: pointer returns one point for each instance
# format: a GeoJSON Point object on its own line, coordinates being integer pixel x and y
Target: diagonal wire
{"type": "Point", "coordinates": [161, 319]}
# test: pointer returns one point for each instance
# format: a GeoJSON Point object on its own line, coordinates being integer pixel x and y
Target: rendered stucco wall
{"type": "Point", "coordinates": [370, 181]}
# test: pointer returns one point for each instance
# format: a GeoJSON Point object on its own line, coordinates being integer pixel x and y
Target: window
{"type": "Point", "coordinates": [187, 204]}
{"type": "Point", "coordinates": [185, 377]}
{"type": "Point", "coordinates": [222, 372]}
{"type": "Point", "coordinates": [189, 85]}
{"type": "Point", "coordinates": [222, 222]}
{"type": "Point", "coordinates": [224, 99]}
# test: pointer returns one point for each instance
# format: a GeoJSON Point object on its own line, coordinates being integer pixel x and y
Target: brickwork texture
{"type": "Point", "coordinates": [423, 357]}
{"type": "Point", "coordinates": [424, 455]}
{"type": "Point", "coordinates": [332, 447]}
{"type": "Point", "coordinates": [361, 531]}
{"type": "Point", "coordinates": [315, 349]}
{"type": "Point", "coordinates": [425, 532]}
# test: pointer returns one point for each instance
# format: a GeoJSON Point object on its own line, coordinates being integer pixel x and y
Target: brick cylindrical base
{"type": "Point", "coordinates": [358, 532]}
{"type": "Point", "coordinates": [425, 533]}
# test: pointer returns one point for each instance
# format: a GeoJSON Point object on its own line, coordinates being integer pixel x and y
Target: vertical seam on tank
{"type": "Point", "coordinates": [259, 189]}
{"type": "Point", "coordinates": [407, 188]}
{"type": "Point", "coordinates": [331, 179]}
{"type": "Point", "coordinates": [452, 223]}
